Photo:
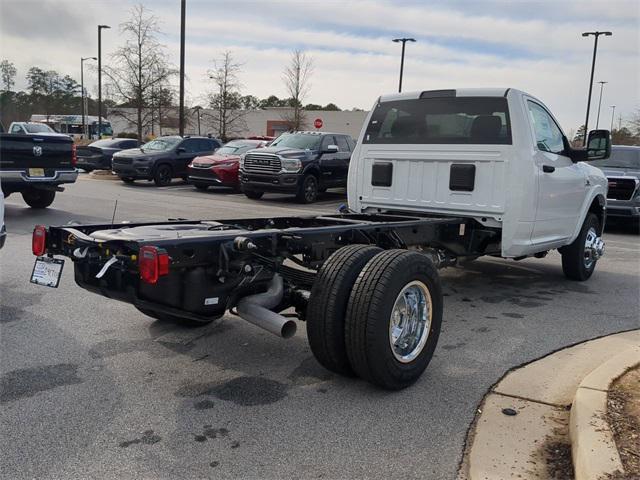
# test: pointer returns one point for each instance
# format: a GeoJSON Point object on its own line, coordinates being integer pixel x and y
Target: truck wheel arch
{"type": "Point", "coordinates": [599, 207]}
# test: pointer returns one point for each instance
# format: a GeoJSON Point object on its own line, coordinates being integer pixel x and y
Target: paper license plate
{"type": "Point", "coordinates": [36, 172]}
{"type": "Point", "coordinates": [47, 271]}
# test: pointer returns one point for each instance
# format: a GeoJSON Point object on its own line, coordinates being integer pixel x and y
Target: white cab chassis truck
{"type": "Point", "coordinates": [437, 177]}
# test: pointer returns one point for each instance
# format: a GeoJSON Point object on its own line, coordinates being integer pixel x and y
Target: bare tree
{"type": "Point", "coordinates": [297, 76]}
{"type": "Point", "coordinates": [226, 100]}
{"type": "Point", "coordinates": [138, 67]}
{"type": "Point", "coordinates": [8, 73]}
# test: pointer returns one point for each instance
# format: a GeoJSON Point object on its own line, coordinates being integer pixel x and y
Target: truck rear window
{"type": "Point", "coordinates": [448, 120]}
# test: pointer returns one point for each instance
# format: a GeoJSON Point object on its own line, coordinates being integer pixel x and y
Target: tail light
{"type": "Point", "coordinates": [74, 155]}
{"type": "Point", "coordinates": [39, 240]}
{"type": "Point", "coordinates": [153, 263]}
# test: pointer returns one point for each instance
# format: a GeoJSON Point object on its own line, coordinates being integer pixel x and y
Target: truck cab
{"type": "Point", "coordinates": [496, 155]}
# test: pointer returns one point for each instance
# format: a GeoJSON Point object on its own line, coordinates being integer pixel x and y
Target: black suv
{"type": "Point", "coordinates": [302, 163]}
{"type": "Point", "coordinates": [161, 159]}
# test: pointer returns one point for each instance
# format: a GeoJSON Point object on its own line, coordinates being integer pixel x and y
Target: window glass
{"type": "Point", "coordinates": [326, 141]}
{"type": "Point", "coordinates": [352, 143]}
{"type": "Point", "coordinates": [162, 144]}
{"type": "Point", "coordinates": [548, 135]}
{"type": "Point", "coordinates": [303, 141]}
{"type": "Point", "coordinates": [209, 145]}
{"type": "Point", "coordinates": [16, 129]}
{"type": "Point", "coordinates": [191, 145]}
{"type": "Point", "coordinates": [343, 146]}
{"type": "Point", "coordinates": [621, 158]}
{"type": "Point", "coordinates": [442, 120]}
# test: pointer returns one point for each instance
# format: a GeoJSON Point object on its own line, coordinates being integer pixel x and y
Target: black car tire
{"type": "Point", "coordinates": [573, 255]}
{"type": "Point", "coordinates": [201, 186]}
{"type": "Point", "coordinates": [127, 180]}
{"type": "Point", "coordinates": [165, 317]}
{"type": "Point", "coordinates": [37, 198]}
{"type": "Point", "coordinates": [253, 194]}
{"type": "Point", "coordinates": [370, 312]}
{"type": "Point", "coordinates": [328, 305]}
{"type": "Point", "coordinates": [308, 190]}
{"type": "Point", "coordinates": [163, 175]}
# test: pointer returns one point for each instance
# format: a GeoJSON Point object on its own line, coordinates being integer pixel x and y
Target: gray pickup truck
{"type": "Point", "coordinates": [622, 170]}
{"type": "Point", "coordinates": [36, 166]}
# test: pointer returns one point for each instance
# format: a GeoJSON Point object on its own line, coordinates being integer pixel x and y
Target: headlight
{"type": "Point", "coordinates": [241, 161]}
{"type": "Point", "coordinates": [291, 165]}
{"type": "Point", "coordinates": [224, 164]}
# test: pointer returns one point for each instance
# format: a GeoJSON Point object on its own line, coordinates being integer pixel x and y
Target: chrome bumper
{"type": "Point", "coordinates": [20, 176]}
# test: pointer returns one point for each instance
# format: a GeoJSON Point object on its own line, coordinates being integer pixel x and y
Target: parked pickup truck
{"type": "Point", "coordinates": [301, 163]}
{"type": "Point", "coordinates": [437, 177]}
{"type": "Point", "coordinates": [36, 166]}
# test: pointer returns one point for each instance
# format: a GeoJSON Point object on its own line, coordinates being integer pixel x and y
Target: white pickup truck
{"type": "Point", "coordinates": [437, 177]}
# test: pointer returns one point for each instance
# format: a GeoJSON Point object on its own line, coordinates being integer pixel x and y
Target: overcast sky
{"type": "Point", "coordinates": [535, 46]}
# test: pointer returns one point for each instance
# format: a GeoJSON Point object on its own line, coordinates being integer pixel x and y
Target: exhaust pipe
{"type": "Point", "coordinates": [256, 309]}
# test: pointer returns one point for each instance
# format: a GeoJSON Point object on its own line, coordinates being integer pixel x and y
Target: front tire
{"type": "Point", "coordinates": [163, 175]}
{"type": "Point", "coordinates": [253, 195]}
{"type": "Point", "coordinates": [37, 198]}
{"type": "Point", "coordinates": [393, 318]}
{"type": "Point", "coordinates": [580, 257]}
{"type": "Point", "coordinates": [327, 306]}
{"type": "Point", "coordinates": [308, 191]}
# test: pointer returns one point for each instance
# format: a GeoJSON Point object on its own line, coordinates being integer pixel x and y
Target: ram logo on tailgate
{"type": "Point", "coordinates": [37, 151]}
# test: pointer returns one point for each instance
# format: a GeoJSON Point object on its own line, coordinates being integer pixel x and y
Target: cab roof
{"type": "Point", "coordinates": [460, 92]}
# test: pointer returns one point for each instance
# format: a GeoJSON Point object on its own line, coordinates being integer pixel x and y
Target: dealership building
{"type": "Point", "coordinates": [269, 121]}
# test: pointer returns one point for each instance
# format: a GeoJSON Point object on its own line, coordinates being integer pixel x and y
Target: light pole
{"type": "Point", "coordinates": [613, 112]}
{"type": "Point", "coordinates": [183, 7]}
{"type": "Point", "coordinates": [100, 27]}
{"type": "Point", "coordinates": [197, 108]}
{"type": "Point", "coordinates": [600, 103]}
{"type": "Point", "coordinates": [404, 41]}
{"type": "Point", "coordinates": [593, 66]}
{"type": "Point", "coordinates": [84, 123]}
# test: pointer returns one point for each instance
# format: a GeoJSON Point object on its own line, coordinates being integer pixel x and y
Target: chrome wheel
{"type": "Point", "coordinates": [593, 248]}
{"type": "Point", "coordinates": [310, 190]}
{"type": "Point", "coordinates": [410, 321]}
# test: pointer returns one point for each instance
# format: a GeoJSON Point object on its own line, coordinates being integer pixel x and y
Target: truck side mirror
{"type": "Point", "coordinates": [599, 145]}
{"type": "Point", "coordinates": [330, 149]}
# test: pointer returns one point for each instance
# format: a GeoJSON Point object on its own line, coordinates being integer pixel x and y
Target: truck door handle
{"type": "Point", "coordinates": [548, 169]}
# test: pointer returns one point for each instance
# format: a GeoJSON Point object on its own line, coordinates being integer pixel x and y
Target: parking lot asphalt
{"type": "Point", "coordinates": [90, 387]}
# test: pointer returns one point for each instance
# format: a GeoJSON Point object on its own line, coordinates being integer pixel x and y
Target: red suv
{"type": "Point", "coordinates": [221, 168]}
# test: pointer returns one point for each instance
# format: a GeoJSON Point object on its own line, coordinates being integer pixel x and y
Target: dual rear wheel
{"type": "Point", "coordinates": [375, 314]}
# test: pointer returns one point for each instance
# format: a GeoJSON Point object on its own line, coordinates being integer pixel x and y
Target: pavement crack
{"type": "Point", "coordinates": [556, 405]}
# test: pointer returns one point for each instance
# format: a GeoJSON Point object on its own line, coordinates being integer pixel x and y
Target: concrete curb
{"type": "Point", "coordinates": [105, 175]}
{"type": "Point", "coordinates": [524, 419]}
{"type": "Point", "coordinates": [593, 448]}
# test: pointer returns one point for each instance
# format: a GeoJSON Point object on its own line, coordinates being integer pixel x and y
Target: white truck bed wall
{"type": "Point", "coordinates": [505, 188]}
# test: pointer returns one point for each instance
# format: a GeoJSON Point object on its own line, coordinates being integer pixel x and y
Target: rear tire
{"type": "Point", "coordinates": [576, 261]}
{"type": "Point", "coordinates": [253, 195]}
{"type": "Point", "coordinates": [327, 306]}
{"type": "Point", "coordinates": [163, 175]}
{"type": "Point", "coordinates": [308, 190]}
{"type": "Point", "coordinates": [393, 318]}
{"type": "Point", "coordinates": [37, 198]}
{"type": "Point", "coordinates": [165, 317]}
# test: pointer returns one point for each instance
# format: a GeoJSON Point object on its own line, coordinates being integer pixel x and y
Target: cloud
{"type": "Point", "coordinates": [535, 46]}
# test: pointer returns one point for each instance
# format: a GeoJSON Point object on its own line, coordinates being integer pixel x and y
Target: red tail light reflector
{"type": "Point", "coordinates": [74, 155]}
{"type": "Point", "coordinates": [39, 240]}
{"type": "Point", "coordinates": [153, 263]}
